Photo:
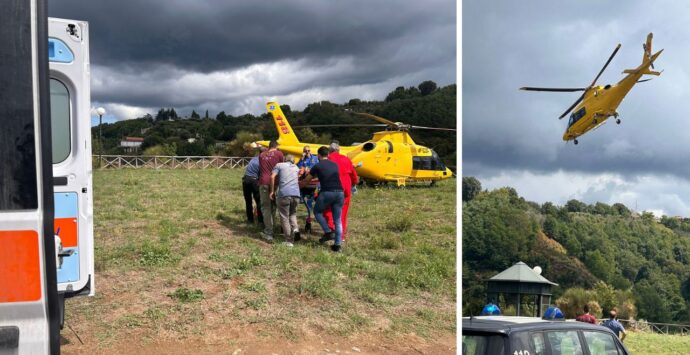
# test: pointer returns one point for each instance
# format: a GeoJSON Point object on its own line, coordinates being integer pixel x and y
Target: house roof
{"type": "Point", "coordinates": [520, 272]}
{"type": "Point", "coordinates": [133, 139]}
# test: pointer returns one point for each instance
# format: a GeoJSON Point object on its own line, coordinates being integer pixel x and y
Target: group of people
{"type": "Point", "coordinates": [611, 323]}
{"type": "Point", "coordinates": [323, 183]}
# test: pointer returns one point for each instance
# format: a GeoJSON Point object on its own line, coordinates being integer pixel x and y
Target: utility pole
{"type": "Point", "coordinates": [100, 111]}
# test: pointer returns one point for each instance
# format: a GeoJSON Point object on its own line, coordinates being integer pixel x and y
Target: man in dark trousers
{"type": "Point", "coordinates": [331, 195]}
{"type": "Point", "coordinates": [250, 188]}
{"type": "Point", "coordinates": [348, 178]}
{"type": "Point", "coordinates": [267, 161]}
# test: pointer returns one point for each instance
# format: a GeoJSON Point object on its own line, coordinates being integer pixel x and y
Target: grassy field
{"type": "Point", "coordinates": [652, 343]}
{"type": "Point", "coordinates": [176, 262]}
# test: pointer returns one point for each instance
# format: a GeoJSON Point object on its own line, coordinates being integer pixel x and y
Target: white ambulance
{"type": "Point", "coordinates": [46, 205]}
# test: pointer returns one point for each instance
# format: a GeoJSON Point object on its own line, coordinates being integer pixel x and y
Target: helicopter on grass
{"type": "Point", "coordinates": [389, 156]}
{"type": "Point", "coordinates": [598, 103]}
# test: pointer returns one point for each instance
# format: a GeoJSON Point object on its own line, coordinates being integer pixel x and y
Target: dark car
{"type": "Point", "coordinates": [534, 336]}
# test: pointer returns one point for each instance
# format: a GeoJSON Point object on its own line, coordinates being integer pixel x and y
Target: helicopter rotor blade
{"type": "Point", "coordinates": [606, 65]}
{"type": "Point", "coordinates": [434, 128]}
{"type": "Point", "coordinates": [341, 125]}
{"type": "Point", "coordinates": [572, 106]}
{"type": "Point", "coordinates": [377, 118]}
{"type": "Point", "coordinates": [553, 89]}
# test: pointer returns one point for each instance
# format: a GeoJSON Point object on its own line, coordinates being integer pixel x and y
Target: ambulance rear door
{"type": "Point", "coordinates": [70, 95]}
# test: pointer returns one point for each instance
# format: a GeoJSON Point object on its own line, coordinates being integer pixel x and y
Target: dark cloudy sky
{"type": "Point", "coordinates": [513, 137]}
{"type": "Point", "coordinates": [236, 55]}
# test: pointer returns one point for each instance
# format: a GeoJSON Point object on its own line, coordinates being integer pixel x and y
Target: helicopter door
{"type": "Point", "coordinates": [28, 290]}
{"type": "Point", "coordinates": [70, 96]}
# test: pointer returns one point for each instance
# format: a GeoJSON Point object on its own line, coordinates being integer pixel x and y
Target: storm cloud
{"type": "Point", "coordinates": [517, 134]}
{"type": "Point", "coordinates": [235, 55]}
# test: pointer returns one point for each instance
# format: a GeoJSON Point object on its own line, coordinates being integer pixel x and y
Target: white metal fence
{"type": "Point", "coordinates": [168, 162]}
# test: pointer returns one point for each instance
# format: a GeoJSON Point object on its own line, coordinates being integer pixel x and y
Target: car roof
{"type": "Point", "coordinates": [507, 325]}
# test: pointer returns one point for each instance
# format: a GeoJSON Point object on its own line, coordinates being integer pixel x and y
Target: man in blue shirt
{"type": "Point", "coordinates": [250, 188]}
{"type": "Point", "coordinates": [615, 325]}
{"type": "Point", "coordinates": [305, 164]}
{"type": "Point", "coordinates": [288, 197]}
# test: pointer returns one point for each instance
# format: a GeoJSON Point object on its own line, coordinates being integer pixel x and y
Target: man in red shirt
{"type": "Point", "coordinates": [348, 178]}
{"type": "Point", "coordinates": [587, 318]}
{"type": "Point", "coordinates": [268, 160]}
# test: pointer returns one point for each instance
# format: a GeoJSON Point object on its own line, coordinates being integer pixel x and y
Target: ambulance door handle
{"type": "Point", "coordinates": [59, 180]}
{"type": "Point", "coordinates": [65, 253]}
{"type": "Point", "coordinates": [9, 337]}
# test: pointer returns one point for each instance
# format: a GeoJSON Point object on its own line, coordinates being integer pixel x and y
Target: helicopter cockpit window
{"type": "Point", "coordinates": [576, 116]}
{"type": "Point", "coordinates": [428, 163]}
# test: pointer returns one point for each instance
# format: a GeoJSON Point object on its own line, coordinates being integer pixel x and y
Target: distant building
{"type": "Point", "coordinates": [131, 144]}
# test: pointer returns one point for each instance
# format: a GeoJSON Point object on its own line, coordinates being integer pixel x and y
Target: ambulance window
{"type": "Point", "coordinates": [59, 52]}
{"type": "Point", "coordinates": [60, 120]}
{"type": "Point", "coordinates": [18, 185]}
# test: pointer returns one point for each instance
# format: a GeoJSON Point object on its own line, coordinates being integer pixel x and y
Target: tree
{"type": "Point", "coordinates": [470, 188]}
{"type": "Point", "coordinates": [221, 116]}
{"type": "Point", "coordinates": [602, 209]}
{"type": "Point", "coordinates": [427, 87]}
{"type": "Point", "coordinates": [162, 115]}
{"type": "Point", "coordinates": [621, 209]}
{"type": "Point", "coordinates": [670, 222]}
{"type": "Point", "coordinates": [575, 206]}
{"type": "Point", "coordinates": [206, 115]}
{"type": "Point", "coordinates": [548, 208]}
{"type": "Point", "coordinates": [241, 145]}
{"type": "Point", "coordinates": [161, 149]}
{"type": "Point", "coordinates": [397, 94]}
{"type": "Point", "coordinates": [195, 115]}
{"type": "Point", "coordinates": [173, 114]}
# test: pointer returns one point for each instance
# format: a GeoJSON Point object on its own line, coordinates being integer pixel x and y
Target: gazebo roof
{"type": "Point", "coordinates": [522, 273]}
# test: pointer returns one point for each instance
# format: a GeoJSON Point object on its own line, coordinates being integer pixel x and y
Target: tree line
{"type": "Point", "coordinates": [604, 255]}
{"type": "Point", "coordinates": [169, 132]}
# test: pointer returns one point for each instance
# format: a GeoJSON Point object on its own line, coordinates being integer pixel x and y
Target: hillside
{"type": "Point", "coordinates": [584, 248]}
{"type": "Point", "coordinates": [424, 105]}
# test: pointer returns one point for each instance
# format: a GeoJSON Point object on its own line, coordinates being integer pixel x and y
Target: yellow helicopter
{"type": "Point", "coordinates": [389, 156]}
{"type": "Point", "coordinates": [598, 103]}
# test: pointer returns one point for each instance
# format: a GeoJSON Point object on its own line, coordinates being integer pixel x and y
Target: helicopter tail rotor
{"type": "Point", "coordinates": [647, 46]}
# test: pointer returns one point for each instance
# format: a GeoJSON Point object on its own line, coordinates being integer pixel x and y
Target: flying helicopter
{"type": "Point", "coordinates": [389, 156]}
{"type": "Point", "coordinates": [597, 103]}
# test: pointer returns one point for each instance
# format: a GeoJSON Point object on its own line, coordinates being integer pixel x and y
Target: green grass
{"type": "Point", "coordinates": [186, 295]}
{"type": "Point", "coordinates": [653, 343]}
{"type": "Point", "coordinates": [174, 258]}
